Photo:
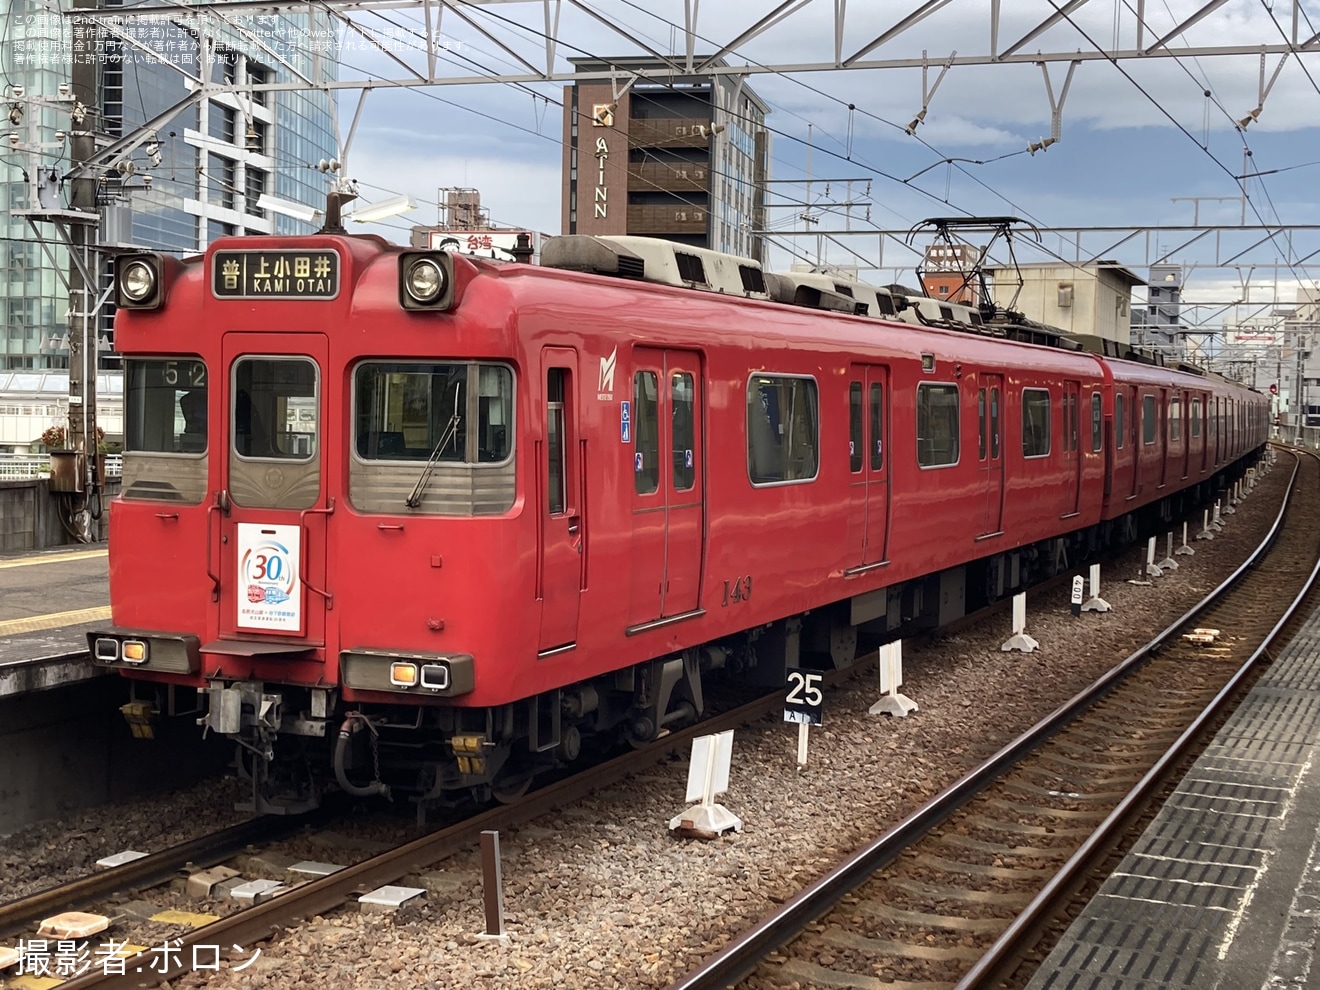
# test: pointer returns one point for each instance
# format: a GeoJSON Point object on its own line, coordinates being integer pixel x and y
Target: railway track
{"type": "Point", "coordinates": [959, 892]}
{"type": "Point", "coordinates": [259, 922]}
{"type": "Point", "coordinates": [252, 925]}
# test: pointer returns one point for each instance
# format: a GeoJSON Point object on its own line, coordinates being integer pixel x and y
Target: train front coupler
{"type": "Point", "coordinates": [254, 718]}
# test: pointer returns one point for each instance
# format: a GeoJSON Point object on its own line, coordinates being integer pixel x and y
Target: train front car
{"type": "Point", "coordinates": [318, 510]}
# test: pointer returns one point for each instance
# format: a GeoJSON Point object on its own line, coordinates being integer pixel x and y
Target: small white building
{"type": "Point", "coordinates": [1093, 299]}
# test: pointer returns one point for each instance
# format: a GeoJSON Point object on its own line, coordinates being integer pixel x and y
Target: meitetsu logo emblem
{"type": "Point", "coordinates": [605, 388]}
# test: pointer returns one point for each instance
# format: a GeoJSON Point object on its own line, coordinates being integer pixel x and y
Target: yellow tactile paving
{"type": "Point", "coordinates": [56, 620]}
{"type": "Point", "coordinates": [53, 558]}
{"type": "Point", "coordinates": [185, 918]}
{"type": "Point", "coordinates": [29, 982]}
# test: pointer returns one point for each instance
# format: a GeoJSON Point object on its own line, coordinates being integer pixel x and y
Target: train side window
{"type": "Point", "coordinates": [554, 440]}
{"type": "Point", "coordinates": [1175, 419]}
{"type": "Point", "coordinates": [937, 425]}
{"type": "Point", "coordinates": [783, 429]}
{"type": "Point", "coordinates": [1148, 419]}
{"type": "Point", "coordinates": [994, 424]}
{"type": "Point", "coordinates": [1035, 422]}
{"type": "Point", "coordinates": [855, 441]}
{"type": "Point", "coordinates": [982, 424]}
{"type": "Point", "coordinates": [1097, 422]}
{"type": "Point", "coordinates": [877, 427]}
{"type": "Point", "coordinates": [165, 400]}
{"type": "Point", "coordinates": [646, 417]}
{"type": "Point", "coordinates": [681, 393]}
{"type": "Point", "coordinates": [1118, 420]}
{"type": "Point", "coordinates": [1196, 418]}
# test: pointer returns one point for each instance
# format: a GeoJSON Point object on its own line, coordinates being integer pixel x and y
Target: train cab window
{"type": "Point", "coordinates": [982, 425]}
{"type": "Point", "coordinates": [165, 406]}
{"type": "Point", "coordinates": [1118, 419]}
{"type": "Point", "coordinates": [646, 419]}
{"type": "Point", "coordinates": [1097, 422]}
{"type": "Point", "coordinates": [276, 412]}
{"type": "Point", "coordinates": [458, 412]}
{"type": "Point", "coordinates": [783, 429]}
{"type": "Point", "coordinates": [1175, 419]}
{"type": "Point", "coordinates": [1035, 422]}
{"type": "Point", "coordinates": [994, 424]}
{"type": "Point", "coordinates": [937, 425]}
{"type": "Point", "coordinates": [681, 396]}
{"type": "Point", "coordinates": [855, 441]}
{"type": "Point", "coordinates": [1195, 425]}
{"type": "Point", "coordinates": [1148, 424]}
{"type": "Point", "coordinates": [877, 427]}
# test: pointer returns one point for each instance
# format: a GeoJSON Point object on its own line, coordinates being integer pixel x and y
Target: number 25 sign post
{"type": "Point", "coordinates": [803, 704]}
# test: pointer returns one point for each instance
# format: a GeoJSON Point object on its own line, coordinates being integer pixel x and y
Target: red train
{"type": "Point", "coordinates": [414, 522]}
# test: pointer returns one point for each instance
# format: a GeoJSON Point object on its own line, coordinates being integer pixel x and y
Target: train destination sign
{"type": "Point", "coordinates": [282, 274]}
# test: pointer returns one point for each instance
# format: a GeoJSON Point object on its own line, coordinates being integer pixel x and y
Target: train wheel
{"type": "Point", "coordinates": [510, 784]}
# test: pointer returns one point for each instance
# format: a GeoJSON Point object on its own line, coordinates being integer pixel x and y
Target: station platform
{"type": "Point", "coordinates": [1223, 889]}
{"type": "Point", "coordinates": [47, 602]}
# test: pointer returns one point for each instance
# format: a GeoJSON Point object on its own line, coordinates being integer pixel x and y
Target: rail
{"type": "Point", "coordinates": [29, 467]}
{"type": "Point", "coordinates": [740, 957]}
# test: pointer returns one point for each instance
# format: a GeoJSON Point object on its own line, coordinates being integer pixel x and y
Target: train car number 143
{"type": "Point", "coordinates": [736, 591]}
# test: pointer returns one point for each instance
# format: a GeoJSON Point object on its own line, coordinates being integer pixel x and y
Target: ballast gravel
{"type": "Point", "coordinates": [601, 895]}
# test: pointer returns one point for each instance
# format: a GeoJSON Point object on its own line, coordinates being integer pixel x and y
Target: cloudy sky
{"type": "Point", "coordinates": [1133, 135]}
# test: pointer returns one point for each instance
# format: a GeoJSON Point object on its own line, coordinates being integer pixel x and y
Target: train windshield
{"type": "Point", "coordinates": [165, 405]}
{"type": "Point", "coordinates": [458, 413]}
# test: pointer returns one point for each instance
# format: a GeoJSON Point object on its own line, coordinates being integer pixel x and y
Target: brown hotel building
{"type": "Point", "coordinates": [683, 157]}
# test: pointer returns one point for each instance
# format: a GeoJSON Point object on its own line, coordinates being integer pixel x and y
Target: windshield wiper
{"type": "Point", "coordinates": [446, 437]}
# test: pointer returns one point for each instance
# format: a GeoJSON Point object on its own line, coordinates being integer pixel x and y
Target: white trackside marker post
{"type": "Point", "coordinates": [1205, 533]}
{"type": "Point", "coordinates": [1075, 602]}
{"type": "Point", "coordinates": [1216, 523]}
{"type": "Point", "coordinates": [1020, 640]}
{"type": "Point", "coordinates": [1168, 563]}
{"type": "Point", "coordinates": [891, 679]}
{"type": "Point", "coordinates": [1232, 501]}
{"type": "Point", "coordinates": [708, 777]}
{"type": "Point", "coordinates": [1184, 550]}
{"type": "Point", "coordinates": [804, 730]}
{"type": "Point", "coordinates": [1152, 568]}
{"type": "Point", "coordinates": [1095, 603]}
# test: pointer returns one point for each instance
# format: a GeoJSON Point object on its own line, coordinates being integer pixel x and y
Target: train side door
{"type": "Point", "coordinates": [562, 557]}
{"type": "Point", "coordinates": [1072, 456]}
{"type": "Point", "coordinates": [1162, 435]}
{"type": "Point", "coordinates": [275, 511]}
{"type": "Point", "coordinates": [668, 502]}
{"type": "Point", "coordinates": [868, 462]}
{"type": "Point", "coordinates": [991, 427]}
{"type": "Point", "coordinates": [1135, 413]}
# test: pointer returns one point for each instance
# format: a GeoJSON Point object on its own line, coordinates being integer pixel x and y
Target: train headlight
{"type": "Point", "coordinates": [403, 674]}
{"type": "Point", "coordinates": [106, 649]}
{"type": "Point", "coordinates": [138, 281]}
{"type": "Point", "coordinates": [426, 280]}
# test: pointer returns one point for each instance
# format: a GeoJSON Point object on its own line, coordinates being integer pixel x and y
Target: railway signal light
{"type": "Point", "coordinates": [1274, 388]}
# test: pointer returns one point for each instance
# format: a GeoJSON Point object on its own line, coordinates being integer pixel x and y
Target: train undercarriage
{"type": "Point", "coordinates": [295, 743]}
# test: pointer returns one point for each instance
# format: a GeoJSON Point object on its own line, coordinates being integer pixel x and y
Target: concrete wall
{"type": "Point", "coordinates": [69, 748]}
{"type": "Point", "coordinates": [29, 519]}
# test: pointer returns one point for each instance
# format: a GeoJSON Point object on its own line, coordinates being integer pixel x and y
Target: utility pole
{"type": "Point", "coordinates": [83, 262]}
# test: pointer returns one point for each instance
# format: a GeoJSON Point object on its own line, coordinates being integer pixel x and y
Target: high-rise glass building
{"type": "Point", "coordinates": [199, 176]}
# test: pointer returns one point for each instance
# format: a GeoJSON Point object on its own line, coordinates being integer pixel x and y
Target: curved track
{"type": "Point", "coordinates": [956, 893]}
